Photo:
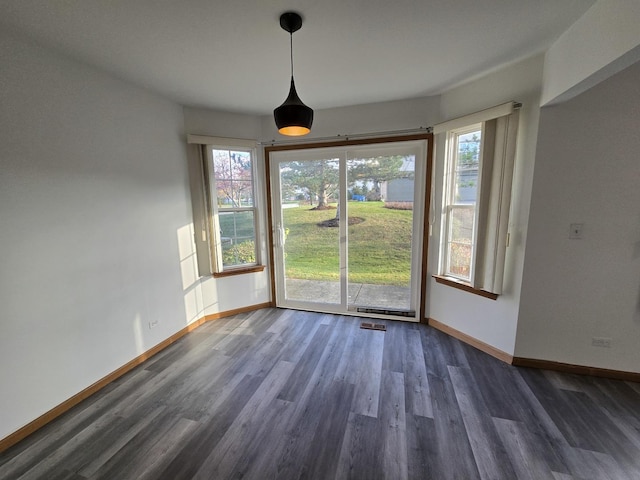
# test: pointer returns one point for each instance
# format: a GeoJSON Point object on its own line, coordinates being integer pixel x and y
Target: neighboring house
{"type": "Point", "coordinates": [468, 189]}
{"type": "Point", "coordinates": [397, 190]}
{"type": "Point", "coordinates": [400, 189]}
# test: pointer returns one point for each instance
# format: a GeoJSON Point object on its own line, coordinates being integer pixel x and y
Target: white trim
{"type": "Point", "coordinates": [343, 225]}
{"type": "Point", "coordinates": [221, 141]}
{"type": "Point", "coordinates": [477, 117]}
{"type": "Point", "coordinates": [215, 244]}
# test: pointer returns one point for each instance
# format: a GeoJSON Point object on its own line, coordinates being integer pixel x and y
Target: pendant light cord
{"type": "Point", "coordinates": [291, 50]}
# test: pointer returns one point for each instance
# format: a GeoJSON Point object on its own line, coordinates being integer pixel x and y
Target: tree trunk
{"type": "Point", "coordinates": [322, 196]}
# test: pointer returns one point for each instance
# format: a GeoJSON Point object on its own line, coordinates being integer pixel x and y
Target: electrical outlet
{"type": "Point", "coordinates": [153, 323]}
{"type": "Point", "coordinates": [601, 342]}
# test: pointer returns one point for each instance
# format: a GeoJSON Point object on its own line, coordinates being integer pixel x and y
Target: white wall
{"type": "Point", "coordinates": [587, 171]}
{"type": "Point", "coordinates": [492, 322]}
{"type": "Point", "coordinates": [604, 41]}
{"type": "Point", "coordinates": [94, 206]}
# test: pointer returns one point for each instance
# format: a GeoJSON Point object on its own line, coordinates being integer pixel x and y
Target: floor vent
{"type": "Point", "coordinates": [383, 311]}
{"type": "Point", "coordinates": [373, 326]}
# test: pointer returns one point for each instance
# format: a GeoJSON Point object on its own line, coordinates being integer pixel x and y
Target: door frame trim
{"type": "Point", "coordinates": [423, 274]}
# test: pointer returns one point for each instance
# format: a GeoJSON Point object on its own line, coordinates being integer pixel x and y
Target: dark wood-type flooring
{"type": "Point", "coordinates": [280, 394]}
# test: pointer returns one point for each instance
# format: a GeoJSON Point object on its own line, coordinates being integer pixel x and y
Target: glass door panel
{"type": "Point", "coordinates": [309, 197]}
{"type": "Point", "coordinates": [380, 252]}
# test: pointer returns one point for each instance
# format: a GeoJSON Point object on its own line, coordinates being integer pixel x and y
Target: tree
{"type": "Point", "coordinates": [377, 170]}
{"type": "Point", "coordinates": [319, 177]}
{"type": "Point", "coordinates": [232, 171]}
{"type": "Point", "coordinates": [469, 151]}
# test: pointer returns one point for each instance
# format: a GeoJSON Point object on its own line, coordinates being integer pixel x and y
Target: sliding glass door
{"type": "Point", "coordinates": [347, 224]}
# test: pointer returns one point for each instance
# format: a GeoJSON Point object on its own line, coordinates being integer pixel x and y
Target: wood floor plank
{"type": "Point", "coordinates": [199, 446]}
{"type": "Point", "coordinates": [440, 352]}
{"type": "Point", "coordinates": [550, 441]}
{"type": "Point", "coordinates": [161, 453]}
{"type": "Point", "coordinates": [196, 397]}
{"type": "Point", "coordinates": [627, 426]}
{"type": "Point", "coordinates": [422, 447]}
{"type": "Point", "coordinates": [453, 441]}
{"type": "Point", "coordinates": [66, 475]}
{"type": "Point", "coordinates": [225, 454]}
{"type": "Point", "coordinates": [592, 465]}
{"type": "Point", "coordinates": [310, 433]}
{"type": "Point", "coordinates": [417, 392]}
{"type": "Point", "coordinates": [393, 427]}
{"type": "Point", "coordinates": [562, 476]}
{"type": "Point", "coordinates": [140, 454]}
{"type": "Point", "coordinates": [526, 461]}
{"type": "Point", "coordinates": [368, 368]}
{"type": "Point", "coordinates": [617, 397]}
{"type": "Point", "coordinates": [564, 381]}
{"type": "Point", "coordinates": [287, 394]}
{"type": "Point", "coordinates": [304, 368]}
{"type": "Point", "coordinates": [254, 458]}
{"type": "Point", "coordinates": [347, 368]}
{"type": "Point", "coordinates": [394, 348]}
{"type": "Point", "coordinates": [565, 409]}
{"type": "Point", "coordinates": [495, 382]}
{"type": "Point", "coordinates": [584, 425]}
{"type": "Point", "coordinates": [611, 467]}
{"type": "Point", "coordinates": [92, 447]}
{"type": "Point", "coordinates": [488, 449]}
{"type": "Point", "coordinates": [323, 452]}
{"type": "Point", "coordinates": [258, 459]}
{"type": "Point", "coordinates": [361, 453]}
{"type": "Point", "coordinates": [108, 445]}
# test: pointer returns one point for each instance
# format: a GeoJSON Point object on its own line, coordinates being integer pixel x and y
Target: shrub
{"type": "Point", "coordinates": [240, 253]}
{"type": "Point", "coordinates": [399, 205]}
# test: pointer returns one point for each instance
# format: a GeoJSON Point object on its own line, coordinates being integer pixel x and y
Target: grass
{"type": "Point", "coordinates": [379, 247]}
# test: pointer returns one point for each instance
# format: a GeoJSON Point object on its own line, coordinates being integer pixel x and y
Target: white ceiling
{"type": "Point", "coordinates": [233, 55]}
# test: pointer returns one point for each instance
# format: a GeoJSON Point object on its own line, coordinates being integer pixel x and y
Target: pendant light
{"type": "Point", "coordinates": [293, 117]}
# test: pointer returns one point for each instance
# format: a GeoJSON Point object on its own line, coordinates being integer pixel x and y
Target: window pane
{"type": "Point", "coordinates": [232, 171]}
{"type": "Point", "coordinates": [460, 244]}
{"type": "Point", "coordinates": [463, 194]}
{"type": "Point", "coordinates": [237, 234]}
{"type": "Point", "coordinates": [466, 169]}
{"type": "Point", "coordinates": [233, 194]}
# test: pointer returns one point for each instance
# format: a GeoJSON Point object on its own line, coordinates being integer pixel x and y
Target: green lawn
{"type": "Point", "coordinates": [379, 247]}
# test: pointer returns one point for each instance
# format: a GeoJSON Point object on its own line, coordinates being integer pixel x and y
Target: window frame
{"type": "Point", "coordinates": [499, 127]}
{"type": "Point", "coordinates": [450, 204]}
{"type": "Point", "coordinates": [213, 211]}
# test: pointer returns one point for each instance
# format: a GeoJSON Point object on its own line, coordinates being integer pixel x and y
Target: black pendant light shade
{"type": "Point", "coordinates": [293, 117]}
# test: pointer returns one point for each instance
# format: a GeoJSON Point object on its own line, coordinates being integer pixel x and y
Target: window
{"type": "Point", "coordinates": [461, 196]}
{"type": "Point", "coordinates": [223, 193]}
{"type": "Point", "coordinates": [230, 195]}
{"type": "Point", "coordinates": [479, 157]}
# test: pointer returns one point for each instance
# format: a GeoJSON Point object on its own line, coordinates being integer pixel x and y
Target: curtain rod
{"type": "Point", "coordinates": [347, 136]}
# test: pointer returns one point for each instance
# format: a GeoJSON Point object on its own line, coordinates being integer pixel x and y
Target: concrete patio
{"type": "Point", "coordinates": [360, 294]}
